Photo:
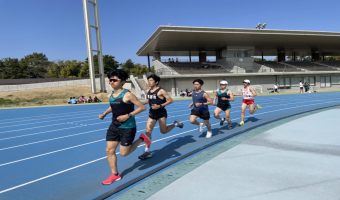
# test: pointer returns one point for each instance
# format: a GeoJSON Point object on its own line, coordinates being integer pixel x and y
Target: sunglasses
{"type": "Point", "coordinates": [114, 80]}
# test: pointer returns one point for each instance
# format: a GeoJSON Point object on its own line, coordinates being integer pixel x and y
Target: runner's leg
{"type": "Point", "coordinates": [127, 150]}
{"type": "Point", "coordinates": [217, 113]}
{"type": "Point", "coordinates": [227, 116]}
{"type": "Point", "coordinates": [193, 120]}
{"type": "Point", "coordinates": [243, 110]}
{"type": "Point", "coordinates": [207, 124]}
{"type": "Point", "coordinates": [252, 108]}
{"type": "Point", "coordinates": [111, 147]}
{"type": "Point", "coordinates": [162, 125]}
{"type": "Point", "coordinates": [150, 124]}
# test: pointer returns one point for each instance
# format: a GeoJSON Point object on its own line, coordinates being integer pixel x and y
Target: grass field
{"type": "Point", "coordinates": [48, 96]}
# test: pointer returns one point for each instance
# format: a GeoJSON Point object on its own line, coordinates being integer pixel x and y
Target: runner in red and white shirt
{"type": "Point", "coordinates": [248, 94]}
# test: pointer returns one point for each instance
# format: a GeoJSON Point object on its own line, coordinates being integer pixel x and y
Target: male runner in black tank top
{"type": "Point", "coordinates": [123, 127]}
{"type": "Point", "coordinates": [157, 98]}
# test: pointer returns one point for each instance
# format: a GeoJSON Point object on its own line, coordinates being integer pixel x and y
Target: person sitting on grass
{"type": "Point", "coordinates": [89, 100]}
{"type": "Point", "coordinates": [96, 100]}
{"type": "Point", "coordinates": [70, 100]}
{"type": "Point", "coordinates": [182, 94]}
{"type": "Point", "coordinates": [74, 100]}
{"type": "Point", "coordinates": [81, 99]}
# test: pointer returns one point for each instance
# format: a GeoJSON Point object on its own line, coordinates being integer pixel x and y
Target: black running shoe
{"type": "Point", "coordinates": [222, 121]}
{"type": "Point", "coordinates": [145, 155]}
{"type": "Point", "coordinates": [179, 124]}
{"type": "Point", "coordinates": [229, 127]}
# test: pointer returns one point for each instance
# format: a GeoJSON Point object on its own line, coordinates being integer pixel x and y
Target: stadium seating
{"type": "Point", "coordinates": [311, 66]}
{"type": "Point", "coordinates": [331, 63]}
{"type": "Point", "coordinates": [195, 67]}
{"type": "Point", "coordinates": [278, 67]}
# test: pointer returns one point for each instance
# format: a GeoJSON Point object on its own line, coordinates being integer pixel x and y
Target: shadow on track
{"type": "Point", "coordinates": [161, 155]}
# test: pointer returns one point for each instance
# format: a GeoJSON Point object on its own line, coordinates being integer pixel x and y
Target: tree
{"type": "Point", "coordinates": [259, 59]}
{"type": "Point", "coordinates": [54, 71]}
{"type": "Point", "coordinates": [12, 68]}
{"type": "Point", "coordinates": [84, 71]}
{"type": "Point", "coordinates": [128, 66]}
{"type": "Point", "coordinates": [37, 64]}
{"type": "Point", "coordinates": [109, 63]}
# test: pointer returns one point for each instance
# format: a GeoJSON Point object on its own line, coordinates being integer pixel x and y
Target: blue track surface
{"type": "Point", "coordinates": [59, 152]}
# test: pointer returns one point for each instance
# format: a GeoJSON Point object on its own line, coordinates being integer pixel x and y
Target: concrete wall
{"type": "Point", "coordinates": [84, 82]}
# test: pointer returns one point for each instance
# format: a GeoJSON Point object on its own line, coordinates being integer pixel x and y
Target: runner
{"type": "Point", "coordinates": [224, 97]}
{"type": "Point", "coordinates": [248, 94]}
{"type": "Point", "coordinates": [157, 98]}
{"type": "Point", "coordinates": [123, 127]}
{"type": "Point", "coordinates": [200, 102]}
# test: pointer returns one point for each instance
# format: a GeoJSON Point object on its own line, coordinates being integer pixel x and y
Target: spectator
{"type": "Point", "coordinates": [169, 60]}
{"type": "Point", "coordinates": [96, 100]}
{"type": "Point", "coordinates": [187, 91]}
{"type": "Point", "coordinates": [306, 85]}
{"type": "Point", "coordinates": [81, 99]}
{"type": "Point", "coordinates": [89, 100]}
{"type": "Point", "coordinates": [172, 60]}
{"type": "Point", "coordinates": [275, 88]}
{"type": "Point", "coordinates": [176, 60]}
{"type": "Point", "coordinates": [301, 87]}
{"type": "Point", "coordinates": [74, 100]}
{"type": "Point", "coordinates": [182, 94]}
{"type": "Point", "coordinates": [70, 100]}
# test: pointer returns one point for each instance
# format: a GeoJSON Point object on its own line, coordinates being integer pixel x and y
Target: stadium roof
{"type": "Point", "coordinates": [179, 40]}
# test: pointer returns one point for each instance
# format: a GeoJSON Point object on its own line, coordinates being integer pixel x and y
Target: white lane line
{"type": "Point", "coordinates": [140, 117]}
{"type": "Point", "coordinates": [211, 109]}
{"type": "Point", "coordinates": [60, 172]}
{"type": "Point", "coordinates": [32, 128]}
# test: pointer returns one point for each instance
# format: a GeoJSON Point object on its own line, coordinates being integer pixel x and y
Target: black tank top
{"type": "Point", "coordinates": [154, 99]}
{"type": "Point", "coordinates": [119, 107]}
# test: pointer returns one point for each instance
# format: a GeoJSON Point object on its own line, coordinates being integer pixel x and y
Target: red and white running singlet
{"type": "Point", "coordinates": [246, 99]}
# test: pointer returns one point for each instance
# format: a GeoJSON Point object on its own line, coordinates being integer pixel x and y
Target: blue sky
{"type": "Point", "coordinates": [56, 28]}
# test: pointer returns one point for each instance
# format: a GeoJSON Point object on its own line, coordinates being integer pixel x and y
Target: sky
{"type": "Point", "coordinates": [56, 28]}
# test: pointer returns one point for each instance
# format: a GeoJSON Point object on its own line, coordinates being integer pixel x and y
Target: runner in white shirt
{"type": "Point", "coordinates": [248, 94]}
{"type": "Point", "coordinates": [301, 87]}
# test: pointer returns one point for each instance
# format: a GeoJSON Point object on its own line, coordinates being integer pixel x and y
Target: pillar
{"type": "Point", "coordinates": [262, 56]}
{"type": "Point", "coordinates": [149, 63]}
{"type": "Point", "coordinates": [202, 57]}
{"type": "Point", "coordinates": [218, 55]}
{"type": "Point", "coordinates": [323, 56]}
{"type": "Point", "coordinates": [294, 56]}
{"type": "Point", "coordinates": [157, 55]}
{"type": "Point", "coordinates": [189, 56]}
{"type": "Point", "coordinates": [315, 56]}
{"type": "Point", "coordinates": [281, 56]}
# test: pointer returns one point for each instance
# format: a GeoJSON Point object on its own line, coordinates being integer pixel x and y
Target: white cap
{"type": "Point", "coordinates": [224, 82]}
{"type": "Point", "coordinates": [246, 81]}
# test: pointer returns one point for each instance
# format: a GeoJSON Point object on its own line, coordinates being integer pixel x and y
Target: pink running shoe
{"type": "Point", "coordinates": [145, 139]}
{"type": "Point", "coordinates": [112, 178]}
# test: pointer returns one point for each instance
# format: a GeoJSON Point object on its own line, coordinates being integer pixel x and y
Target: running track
{"type": "Point", "coordinates": [59, 152]}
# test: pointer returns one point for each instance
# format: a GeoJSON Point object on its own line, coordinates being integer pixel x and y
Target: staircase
{"type": "Point", "coordinates": [144, 86]}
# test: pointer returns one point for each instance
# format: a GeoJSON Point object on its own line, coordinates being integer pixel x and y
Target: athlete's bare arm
{"type": "Point", "coordinates": [191, 105]}
{"type": "Point", "coordinates": [147, 100]}
{"type": "Point", "coordinates": [252, 91]}
{"type": "Point", "coordinates": [214, 101]}
{"type": "Point", "coordinates": [102, 116]}
{"type": "Point", "coordinates": [230, 93]}
{"type": "Point", "coordinates": [167, 97]}
{"type": "Point", "coordinates": [131, 98]}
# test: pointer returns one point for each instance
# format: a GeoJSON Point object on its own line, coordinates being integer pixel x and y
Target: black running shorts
{"type": "Point", "coordinates": [157, 114]}
{"type": "Point", "coordinates": [202, 115]}
{"type": "Point", "coordinates": [224, 106]}
{"type": "Point", "coordinates": [123, 135]}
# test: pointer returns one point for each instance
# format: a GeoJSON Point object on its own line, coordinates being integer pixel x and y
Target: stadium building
{"type": "Point", "coordinates": [233, 51]}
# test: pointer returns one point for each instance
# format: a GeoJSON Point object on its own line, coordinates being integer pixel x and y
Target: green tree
{"type": "Point", "coordinates": [37, 64]}
{"type": "Point", "coordinates": [54, 71]}
{"type": "Point", "coordinates": [128, 66]}
{"type": "Point", "coordinates": [109, 63]}
{"type": "Point", "coordinates": [12, 68]}
{"type": "Point", "coordinates": [84, 71]}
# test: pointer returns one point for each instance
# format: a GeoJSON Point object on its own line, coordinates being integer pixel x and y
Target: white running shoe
{"type": "Point", "coordinates": [200, 128]}
{"type": "Point", "coordinates": [209, 134]}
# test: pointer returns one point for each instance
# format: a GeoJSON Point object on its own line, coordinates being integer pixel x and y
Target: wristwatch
{"type": "Point", "coordinates": [129, 115]}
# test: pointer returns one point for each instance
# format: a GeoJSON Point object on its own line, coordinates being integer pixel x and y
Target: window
{"type": "Point", "coordinates": [325, 81]}
{"type": "Point", "coordinates": [295, 81]}
{"type": "Point", "coordinates": [335, 80]}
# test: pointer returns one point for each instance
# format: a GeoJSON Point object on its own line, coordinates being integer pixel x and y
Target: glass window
{"type": "Point", "coordinates": [282, 82]}
{"type": "Point", "coordinates": [335, 80]}
{"type": "Point", "coordinates": [311, 81]}
{"type": "Point", "coordinates": [325, 81]}
{"type": "Point", "coordinates": [287, 82]}
{"type": "Point", "coordinates": [328, 81]}
{"type": "Point", "coordinates": [295, 81]}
